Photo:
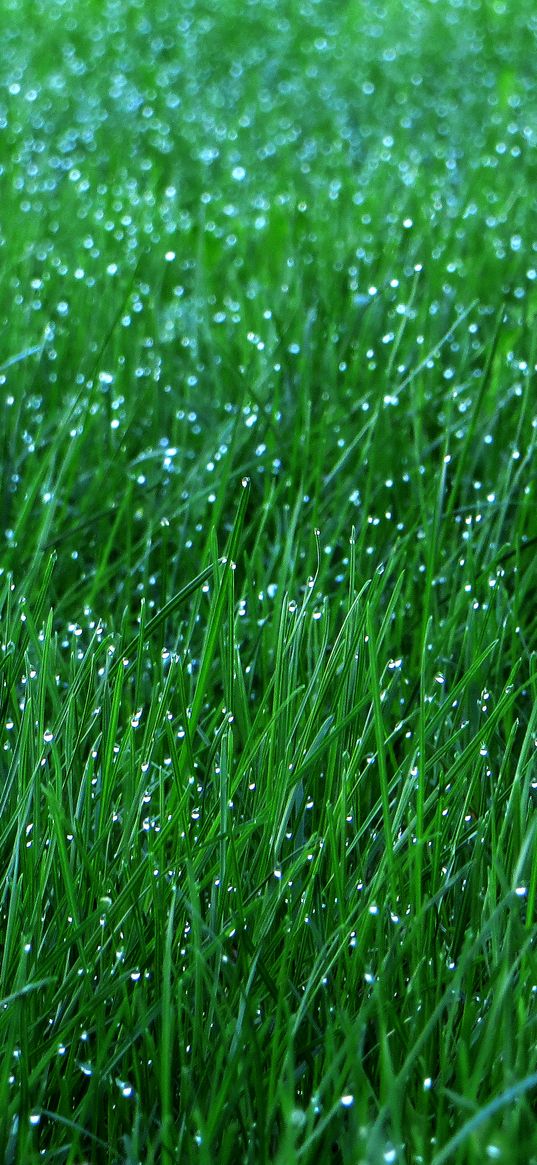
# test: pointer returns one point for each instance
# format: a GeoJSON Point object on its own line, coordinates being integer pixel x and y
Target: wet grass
{"type": "Point", "coordinates": [268, 680]}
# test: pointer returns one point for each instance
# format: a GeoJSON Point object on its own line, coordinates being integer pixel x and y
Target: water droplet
{"type": "Point", "coordinates": [125, 1088]}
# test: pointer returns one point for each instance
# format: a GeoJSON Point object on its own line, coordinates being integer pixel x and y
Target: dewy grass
{"type": "Point", "coordinates": [268, 681]}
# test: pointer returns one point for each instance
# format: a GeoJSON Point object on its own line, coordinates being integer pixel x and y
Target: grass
{"type": "Point", "coordinates": [268, 680]}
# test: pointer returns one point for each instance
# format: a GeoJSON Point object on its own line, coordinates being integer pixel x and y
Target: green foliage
{"type": "Point", "coordinates": [268, 682]}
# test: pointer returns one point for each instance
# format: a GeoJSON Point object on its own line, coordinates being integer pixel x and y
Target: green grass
{"type": "Point", "coordinates": [268, 671]}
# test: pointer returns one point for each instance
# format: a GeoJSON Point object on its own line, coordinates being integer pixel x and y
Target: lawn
{"type": "Point", "coordinates": [268, 649]}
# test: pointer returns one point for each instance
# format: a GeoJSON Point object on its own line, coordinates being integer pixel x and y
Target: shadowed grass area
{"type": "Point", "coordinates": [268, 682]}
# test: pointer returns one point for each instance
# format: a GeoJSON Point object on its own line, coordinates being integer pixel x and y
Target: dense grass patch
{"type": "Point", "coordinates": [268, 681]}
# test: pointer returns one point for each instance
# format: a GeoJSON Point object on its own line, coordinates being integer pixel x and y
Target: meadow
{"type": "Point", "coordinates": [268, 629]}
